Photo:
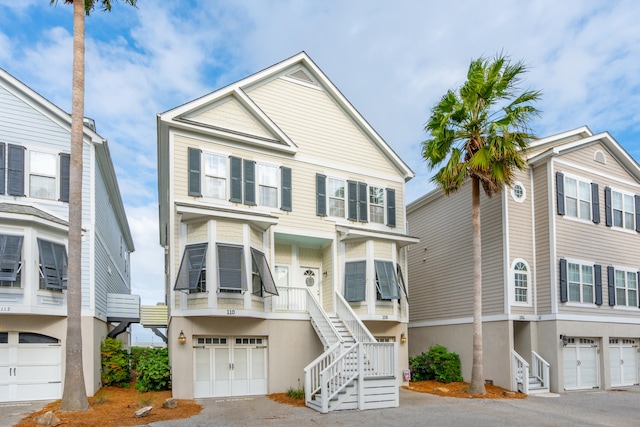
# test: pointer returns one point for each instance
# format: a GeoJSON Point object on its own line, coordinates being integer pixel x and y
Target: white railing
{"type": "Point", "coordinates": [325, 328]}
{"type": "Point", "coordinates": [351, 320]}
{"type": "Point", "coordinates": [290, 299]}
{"type": "Point", "coordinates": [312, 372]}
{"type": "Point", "coordinates": [380, 359]}
{"type": "Point", "coordinates": [540, 369]}
{"type": "Point", "coordinates": [335, 377]}
{"type": "Point", "coordinates": [520, 373]}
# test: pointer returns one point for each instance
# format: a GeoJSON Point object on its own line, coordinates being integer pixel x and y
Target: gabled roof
{"type": "Point", "coordinates": [563, 143]}
{"type": "Point", "coordinates": [63, 119]}
{"type": "Point", "coordinates": [299, 67]}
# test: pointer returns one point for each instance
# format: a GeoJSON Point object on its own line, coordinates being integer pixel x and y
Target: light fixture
{"type": "Point", "coordinates": [182, 338]}
{"type": "Point", "coordinates": [564, 339]}
{"type": "Point", "coordinates": [403, 338]}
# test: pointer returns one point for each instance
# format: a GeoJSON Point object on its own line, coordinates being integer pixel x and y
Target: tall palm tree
{"type": "Point", "coordinates": [481, 132]}
{"type": "Point", "coordinates": [74, 395]}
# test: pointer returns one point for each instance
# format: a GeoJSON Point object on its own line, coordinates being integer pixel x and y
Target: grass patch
{"type": "Point", "coordinates": [295, 393]}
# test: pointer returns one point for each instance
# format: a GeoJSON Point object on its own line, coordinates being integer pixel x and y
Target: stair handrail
{"type": "Point", "coordinates": [320, 317]}
{"type": "Point", "coordinates": [351, 320]}
{"type": "Point", "coordinates": [339, 374]}
{"type": "Point", "coordinates": [540, 369]}
{"type": "Point", "coordinates": [520, 373]}
{"type": "Point", "coordinates": [312, 371]}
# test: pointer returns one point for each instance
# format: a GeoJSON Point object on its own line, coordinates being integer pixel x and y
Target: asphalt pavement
{"type": "Point", "coordinates": [585, 408]}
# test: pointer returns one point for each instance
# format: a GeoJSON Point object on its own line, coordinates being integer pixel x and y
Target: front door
{"type": "Point", "coordinates": [311, 280]}
{"type": "Point", "coordinates": [623, 361]}
{"type": "Point", "coordinates": [230, 366]}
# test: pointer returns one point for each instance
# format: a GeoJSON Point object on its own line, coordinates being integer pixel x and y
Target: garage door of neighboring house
{"type": "Point", "coordinates": [230, 366]}
{"type": "Point", "coordinates": [30, 367]}
{"type": "Point", "coordinates": [580, 357]}
{"type": "Point", "coordinates": [623, 361]}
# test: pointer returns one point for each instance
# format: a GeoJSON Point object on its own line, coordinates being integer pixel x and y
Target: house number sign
{"type": "Point", "coordinates": [5, 308]}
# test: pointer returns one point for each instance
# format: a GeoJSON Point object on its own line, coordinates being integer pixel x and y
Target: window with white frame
{"type": "Point", "coordinates": [376, 204]}
{"type": "Point", "coordinates": [42, 175]}
{"type": "Point", "coordinates": [577, 198]}
{"type": "Point", "coordinates": [215, 176]}
{"type": "Point", "coordinates": [626, 288]}
{"type": "Point", "coordinates": [521, 282]}
{"type": "Point", "coordinates": [623, 208]}
{"type": "Point", "coordinates": [268, 185]}
{"type": "Point", "coordinates": [580, 282]}
{"type": "Point", "coordinates": [336, 197]}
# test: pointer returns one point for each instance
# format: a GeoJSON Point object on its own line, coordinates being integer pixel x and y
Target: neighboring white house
{"type": "Point", "coordinates": [282, 217]}
{"type": "Point", "coordinates": [34, 194]}
{"type": "Point", "coordinates": [560, 265]}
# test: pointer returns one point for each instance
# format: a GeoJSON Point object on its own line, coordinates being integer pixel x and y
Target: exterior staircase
{"type": "Point", "coordinates": [355, 371]}
{"type": "Point", "coordinates": [529, 380]}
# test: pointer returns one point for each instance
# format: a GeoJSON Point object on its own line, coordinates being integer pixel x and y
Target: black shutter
{"type": "Point", "coordinates": [236, 179]}
{"type": "Point", "coordinates": [391, 207]}
{"type": "Point", "coordinates": [352, 213]}
{"type": "Point", "coordinates": [595, 203]}
{"type": "Point", "coordinates": [563, 281]}
{"type": "Point", "coordinates": [194, 172]}
{"type": "Point", "coordinates": [638, 281]}
{"type": "Point", "coordinates": [15, 175]}
{"type": "Point", "coordinates": [608, 215]}
{"type": "Point", "coordinates": [363, 197]}
{"type": "Point", "coordinates": [597, 273]}
{"type": "Point", "coordinates": [611, 282]}
{"type": "Point", "coordinates": [65, 160]}
{"type": "Point", "coordinates": [637, 200]}
{"type": "Point", "coordinates": [560, 192]}
{"type": "Point", "coordinates": [285, 188]}
{"type": "Point", "coordinates": [321, 195]}
{"type": "Point", "coordinates": [2, 168]}
{"type": "Point", "coordinates": [249, 182]}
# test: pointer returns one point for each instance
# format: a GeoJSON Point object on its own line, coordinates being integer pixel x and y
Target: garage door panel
{"type": "Point", "coordinates": [614, 366]}
{"type": "Point", "coordinates": [570, 362]}
{"type": "Point", "coordinates": [39, 391]}
{"type": "Point", "coordinates": [30, 354]}
{"type": "Point", "coordinates": [42, 373]}
{"type": "Point", "coordinates": [630, 365]}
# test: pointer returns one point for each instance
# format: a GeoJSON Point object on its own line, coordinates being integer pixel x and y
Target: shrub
{"type": "Point", "coordinates": [153, 371]}
{"type": "Point", "coordinates": [138, 353]}
{"type": "Point", "coordinates": [115, 364]}
{"type": "Point", "coordinates": [295, 393]}
{"type": "Point", "coordinates": [437, 364]}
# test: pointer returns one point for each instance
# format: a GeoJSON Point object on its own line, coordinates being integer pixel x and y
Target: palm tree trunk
{"type": "Point", "coordinates": [477, 372]}
{"type": "Point", "coordinates": [74, 396]}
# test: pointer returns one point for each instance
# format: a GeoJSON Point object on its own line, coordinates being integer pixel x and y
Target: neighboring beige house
{"type": "Point", "coordinates": [35, 141]}
{"type": "Point", "coordinates": [560, 270]}
{"type": "Point", "coordinates": [281, 212]}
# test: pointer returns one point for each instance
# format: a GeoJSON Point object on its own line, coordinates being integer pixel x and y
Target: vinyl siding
{"type": "Point", "coordinates": [229, 114]}
{"type": "Point", "coordinates": [356, 250]}
{"type": "Point", "coordinates": [328, 288]}
{"type": "Point", "coordinates": [544, 270]}
{"type": "Point", "coordinates": [197, 232]}
{"type": "Point", "coordinates": [309, 257]}
{"type": "Point", "coordinates": [584, 158]}
{"type": "Point", "coordinates": [441, 265]}
{"type": "Point", "coordinates": [318, 126]}
{"type": "Point", "coordinates": [229, 232]}
{"type": "Point", "coordinates": [283, 254]}
{"type": "Point", "coordinates": [383, 250]}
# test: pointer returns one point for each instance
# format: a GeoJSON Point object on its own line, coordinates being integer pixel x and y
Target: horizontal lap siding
{"type": "Point", "coordinates": [383, 250]}
{"type": "Point", "coordinates": [283, 254]}
{"type": "Point", "coordinates": [197, 232]}
{"type": "Point", "coordinates": [327, 280]}
{"type": "Point", "coordinates": [597, 243]}
{"type": "Point", "coordinates": [544, 269]}
{"type": "Point", "coordinates": [231, 115]}
{"type": "Point", "coordinates": [441, 265]}
{"type": "Point", "coordinates": [355, 250]}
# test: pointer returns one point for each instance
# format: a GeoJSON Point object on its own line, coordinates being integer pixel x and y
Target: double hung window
{"type": "Point", "coordinates": [42, 175]}
{"type": "Point", "coordinates": [376, 204]}
{"type": "Point", "coordinates": [268, 185]}
{"type": "Point", "coordinates": [623, 209]}
{"type": "Point", "coordinates": [521, 282]}
{"type": "Point", "coordinates": [626, 288]}
{"type": "Point", "coordinates": [215, 176]}
{"type": "Point", "coordinates": [578, 198]}
{"type": "Point", "coordinates": [336, 197]}
{"type": "Point", "coordinates": [580, 282]}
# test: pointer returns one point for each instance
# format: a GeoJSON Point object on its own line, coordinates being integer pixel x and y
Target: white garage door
{"type": "Point", "coordinates": [230, 366]}
{"type": "Point", "coordinates": [623, 361]}
{"type": "Point", "coordinates": [580, 357]}
{"type": "Point", "coordinates": [30, 367]}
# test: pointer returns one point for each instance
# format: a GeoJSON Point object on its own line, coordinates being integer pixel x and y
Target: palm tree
{"type": "Point", "coordinates": [74, 395]}
{"type": "Point", "coordinates": [480, 132]}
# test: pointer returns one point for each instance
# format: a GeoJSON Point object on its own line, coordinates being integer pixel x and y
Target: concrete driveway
{"type": "Point", "coordinates": [597, 408]}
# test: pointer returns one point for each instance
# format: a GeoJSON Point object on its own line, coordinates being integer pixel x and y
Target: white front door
{"type": "Point", "coordinates": [228, 366]}
{"type": "Point", "coordinates": [580, 360]}
{"type": "Point", "coordinates": [623, 361]}
{"type": "Point", "coordinates": [30, 367]}
{"type": "Point", "coordinates": [311, 280]}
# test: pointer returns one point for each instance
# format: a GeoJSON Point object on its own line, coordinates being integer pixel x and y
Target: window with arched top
{"type": "Point", "coordinates": [521, 282]}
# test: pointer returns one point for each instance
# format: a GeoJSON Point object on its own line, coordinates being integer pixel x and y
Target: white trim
{"type": "Point", "coordinates": [552, 237]}
{"type": "Point", "coordinates": [581, 303]}
{"type": "Point", "coordinates": [594, 172]}
{"type": "Point", "coordinates": [211, 262]}
{"type": "Point", "coordinates": [507, 295]}
{"type": "Point", "coordinates": [511, 281]}
{"type": "Point", "coordinates": [523, 197]}
{"type": "Point", "coordinates": [588, 318]}
{"type": "Point", "coordinates": [534, 286]}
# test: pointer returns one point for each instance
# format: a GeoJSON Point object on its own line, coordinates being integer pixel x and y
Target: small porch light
{"type": "Point", "coordinates": [403, 338]}
{"type": "Point", "coordinates": [182, 338]}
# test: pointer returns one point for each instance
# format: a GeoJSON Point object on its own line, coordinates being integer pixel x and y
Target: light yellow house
{"type": "Point", "coordinates": [282, 217]}
{"type": "Point", "coordinates": [560, 270]}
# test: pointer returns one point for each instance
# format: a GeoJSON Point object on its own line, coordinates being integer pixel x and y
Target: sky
{"type": "Point", "coordinates": [393, 60]}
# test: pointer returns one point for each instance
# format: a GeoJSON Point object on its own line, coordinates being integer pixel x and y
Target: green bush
{"type": "Point", "coordinates": [138, 353]}
{"type": "Point", "coordinates": [295, 393]}
{"type": "Point", "coordinates": [115, 364]}
{"type": "Point", "coordinates": [437, 364]}
{"type": "Point", "coordinates": [153, 371]}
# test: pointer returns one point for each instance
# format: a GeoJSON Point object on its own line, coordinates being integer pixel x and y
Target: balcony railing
{"type": "Point", "coordinates": [290, 299]}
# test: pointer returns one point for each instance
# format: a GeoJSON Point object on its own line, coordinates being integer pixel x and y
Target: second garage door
{"type": "Point", "coordinates": [623, 361]}
{"type": "Point", "coordinates": [580, 359]}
